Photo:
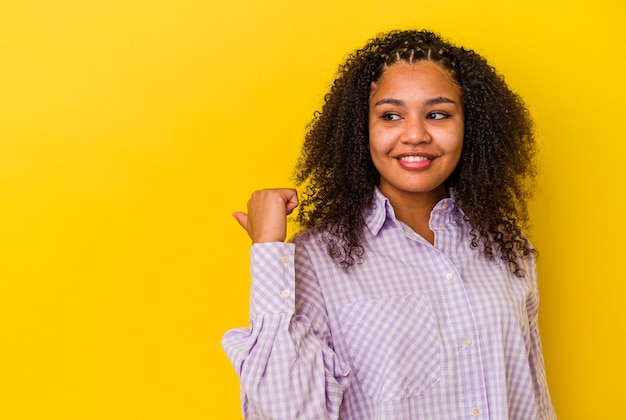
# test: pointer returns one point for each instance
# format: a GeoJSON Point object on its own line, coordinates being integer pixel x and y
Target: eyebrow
{"type": "Point", "coordinates": [429, 102]}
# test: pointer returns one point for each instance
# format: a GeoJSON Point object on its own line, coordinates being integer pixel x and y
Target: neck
{"type": "Point", "coordinates": [414, 209]}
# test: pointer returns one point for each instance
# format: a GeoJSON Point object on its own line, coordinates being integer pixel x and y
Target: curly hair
{"type": "Point", "coordinates": [491, 183]}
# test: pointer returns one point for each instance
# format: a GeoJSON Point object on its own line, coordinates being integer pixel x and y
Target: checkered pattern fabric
{"type": "Point", "coordinates": [415, 331]}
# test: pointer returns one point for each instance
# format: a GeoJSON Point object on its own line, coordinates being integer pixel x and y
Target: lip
{"type": "Point", "coordinates": [418, 161]}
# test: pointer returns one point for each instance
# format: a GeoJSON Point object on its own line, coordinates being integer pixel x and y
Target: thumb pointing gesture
{"type": "Point", "coordinates": [266, 220]}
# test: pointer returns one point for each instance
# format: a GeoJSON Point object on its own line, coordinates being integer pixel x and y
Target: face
{"type": "Point", "coordinates": [416, 125]}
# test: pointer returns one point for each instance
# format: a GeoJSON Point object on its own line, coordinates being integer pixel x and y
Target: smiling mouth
{"type": "Point", "coordinates": [413, 158]}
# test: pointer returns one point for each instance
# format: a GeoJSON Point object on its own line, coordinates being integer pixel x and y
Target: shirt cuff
{"type": "Point", "coordinates": [273, 281]}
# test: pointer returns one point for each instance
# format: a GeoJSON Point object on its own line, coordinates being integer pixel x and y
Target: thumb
{"type": "Point", "coordinates": [242, 219]}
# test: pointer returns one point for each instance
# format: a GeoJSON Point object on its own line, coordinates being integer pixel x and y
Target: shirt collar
{"type": "Point", "coordinates": [381, 207]}
{"type": "Point", "coordinates": [382, 210]}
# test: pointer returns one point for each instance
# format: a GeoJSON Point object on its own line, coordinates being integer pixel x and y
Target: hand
{"type": "Point", "coordinates": [266, 220]}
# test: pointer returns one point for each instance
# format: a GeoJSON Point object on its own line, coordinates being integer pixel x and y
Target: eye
{"type": "Point", "coordinates": [390, 116]}
{"type": "Point", "coordinates": [437, 115]}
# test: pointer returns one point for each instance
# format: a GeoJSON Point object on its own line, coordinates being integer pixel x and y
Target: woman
{"type": "Point", "coordinates": [411, 292]}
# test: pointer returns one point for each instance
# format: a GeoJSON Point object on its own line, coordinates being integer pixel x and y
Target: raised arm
{"type": "Point", "coordinates": [286, 367]}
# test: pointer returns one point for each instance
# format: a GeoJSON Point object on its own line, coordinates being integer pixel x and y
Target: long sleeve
{"type": "Point", "coordinates": [286, 367]}
{"type": "Point", "coordinates": [545, 409]}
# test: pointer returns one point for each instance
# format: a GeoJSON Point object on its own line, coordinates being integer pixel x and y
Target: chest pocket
{"type": "Point", "coordinates": [393, 345]}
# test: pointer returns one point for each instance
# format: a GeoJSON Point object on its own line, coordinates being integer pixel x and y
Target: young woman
{"type": "Point", "coordinates": [411, 291]}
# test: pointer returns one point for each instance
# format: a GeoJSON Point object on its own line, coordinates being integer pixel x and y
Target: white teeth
{"type": "Point", "coordinates": [413, 158]}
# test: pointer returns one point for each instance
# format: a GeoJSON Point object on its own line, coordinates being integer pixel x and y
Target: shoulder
{"type": "Point", "coordinates": [308, 240]}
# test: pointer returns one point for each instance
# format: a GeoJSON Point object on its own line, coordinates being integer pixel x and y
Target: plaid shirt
{"type": "Point", "coordinates": [415, 331]}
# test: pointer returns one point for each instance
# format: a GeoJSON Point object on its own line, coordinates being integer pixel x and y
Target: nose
{"type": "Point", "coordinates": [416, 131]}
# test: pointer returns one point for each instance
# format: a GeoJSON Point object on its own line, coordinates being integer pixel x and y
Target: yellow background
{"type": "Point", "coordinates": [130, 130]}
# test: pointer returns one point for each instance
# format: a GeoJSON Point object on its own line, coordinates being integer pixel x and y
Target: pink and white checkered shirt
{"type": "Point", "coordinates": [414, 332]}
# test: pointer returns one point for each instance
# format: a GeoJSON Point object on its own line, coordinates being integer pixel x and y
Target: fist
{"type": "Point", "coordinates": [266, 219]}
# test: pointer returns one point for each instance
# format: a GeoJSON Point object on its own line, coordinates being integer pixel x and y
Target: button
{"type": "Point", "coordinates": [444, 206]}
{"type": "Point", "coordinates": [449, 277]}
{"type": "Point", "coordinates": [475, 411]}
{"type": "Point", "coordinates": [467, 341]}
{"type": "Point", "coordinates": [284, 259]}
{"type": "Point", "coordinates": [284, 293]}
{"type": "Point", "coordinates": [442, 227]}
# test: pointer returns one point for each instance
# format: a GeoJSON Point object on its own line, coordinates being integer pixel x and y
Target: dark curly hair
{"type": "Point", "coordinates": [491, 183]}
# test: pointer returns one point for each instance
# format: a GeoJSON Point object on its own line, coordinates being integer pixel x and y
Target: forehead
{"type": "Point", "coordinates": [424, 75]}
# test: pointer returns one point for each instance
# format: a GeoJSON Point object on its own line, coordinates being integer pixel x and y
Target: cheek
{"type": "Point", "coordinates": [458, 151]}
{"type": "Point", "coordinates": [454, 142]}
{"type": "Point", "coordinates": [379, 137]}
{"type": "Point", "coordinates": [376, 150]}
{"type": "Point", "coordinates": [376, 146]}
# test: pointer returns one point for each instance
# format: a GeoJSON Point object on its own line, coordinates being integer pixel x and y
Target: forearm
{"type": "Point", "coordinates": [286, 372]}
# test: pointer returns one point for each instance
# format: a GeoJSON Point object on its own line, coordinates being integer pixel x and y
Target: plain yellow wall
{"type": "Point", "coordinates": [130, 130]}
